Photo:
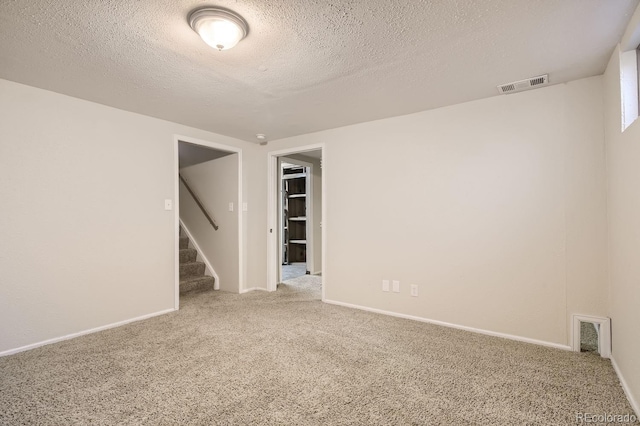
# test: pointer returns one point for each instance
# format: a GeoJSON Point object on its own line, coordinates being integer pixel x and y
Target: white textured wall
{"type": "Point", "coordinates": [317, 216]}
{"type": "Point", "coordinates": [494, 208]}
{"type": "Point", "coordinates": [623, 176]}
{"type": "Point", "coordinates": [86, 241]}
{"type": "Point", "coordinates": [215, 183]}
{"type": "Point", "coordinates": [585, 199]}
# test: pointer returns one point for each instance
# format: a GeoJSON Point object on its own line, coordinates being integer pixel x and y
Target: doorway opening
{"type": "Point", "coordinates": [589, 336]}
{"type": "Point", "coordinates": [295, 213]}
{"type": "Point", "coordinates": [295, 218]}
{"type": "Point", "coordinates": [592, 335]}
{"type": "Point", "coordinates": [208, 217]}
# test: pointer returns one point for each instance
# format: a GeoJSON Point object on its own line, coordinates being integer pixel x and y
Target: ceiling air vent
{"type": "Point", "coordinates": [518, 86]}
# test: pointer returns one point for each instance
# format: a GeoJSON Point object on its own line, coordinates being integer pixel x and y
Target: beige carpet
{"type": "Point", "coordinates": [285, 358]}
{"type": "Point", "coordinates": [588, 337]}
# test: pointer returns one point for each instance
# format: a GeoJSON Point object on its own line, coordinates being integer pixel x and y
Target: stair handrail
{"type": "Point", "coordinates": [197, 200]}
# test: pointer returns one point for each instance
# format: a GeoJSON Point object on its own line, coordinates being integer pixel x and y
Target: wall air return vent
{"type": "Point", "coordinates": [519, 86]}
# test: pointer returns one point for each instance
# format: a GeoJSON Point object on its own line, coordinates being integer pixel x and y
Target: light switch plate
{"type": "Point", "coordinates": [230, 207]}
{"type": "Point", "coordinates": [414, 290]}
{"type": "Point", "coordinates": [385, 285]}
{"type": "Point", "coordinates": [396, 286]}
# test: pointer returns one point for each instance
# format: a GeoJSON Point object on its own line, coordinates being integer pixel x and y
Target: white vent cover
{"type": "Point", "coordinates": [518, 86]}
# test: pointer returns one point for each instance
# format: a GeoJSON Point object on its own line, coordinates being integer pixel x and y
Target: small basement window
{"type": "Point", "coordinates": [630, 89]}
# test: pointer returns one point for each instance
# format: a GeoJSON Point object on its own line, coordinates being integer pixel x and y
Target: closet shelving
{"type": "Point", "coordinates": [294, 184]}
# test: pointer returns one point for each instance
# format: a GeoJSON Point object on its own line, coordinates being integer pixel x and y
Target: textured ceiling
{"type": "Point", "coordinates": [306, 65]}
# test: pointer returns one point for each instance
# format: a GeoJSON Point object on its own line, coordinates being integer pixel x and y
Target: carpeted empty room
{"type": "Point", "coordinates": [287, 358]}
{"type": "Point", "coordinates": [319, 212]}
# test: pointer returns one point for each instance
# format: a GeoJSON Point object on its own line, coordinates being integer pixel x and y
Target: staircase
{"type": "Point", "coordinates": [192, 277]}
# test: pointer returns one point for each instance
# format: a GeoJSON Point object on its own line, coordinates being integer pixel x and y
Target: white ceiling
{"type": "Point", "coordinates": [306, 65]}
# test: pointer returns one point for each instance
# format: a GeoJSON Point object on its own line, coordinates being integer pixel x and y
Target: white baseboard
{"type": "Point", "coordinates": [82, 333]}
{"type": "Point", "coordinates": [625, 387]}
{"type": "Point", "coordinates": [450, 325]}
{"type": "Point", "coordinates": [247, 290]}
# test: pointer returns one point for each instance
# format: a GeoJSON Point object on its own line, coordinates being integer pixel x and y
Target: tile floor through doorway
{"type": "Point", "coordinates": [293, 270]}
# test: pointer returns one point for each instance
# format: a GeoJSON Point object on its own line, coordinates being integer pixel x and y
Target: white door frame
{"type": "Point", "coordinates": [604, 333]}
{"type": "Point", "coordinates": [308, 207]}
{"type": "Point", "coordinates": [272, 212]}
{"type": "Point", "coordinates": [176, 185]}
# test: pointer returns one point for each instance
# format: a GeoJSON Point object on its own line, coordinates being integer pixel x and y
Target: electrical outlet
{"type": "Point", "coordinates": [396, 286]}
{"type": "Point", "coordinates": [385, 285]}
{"type": "Point", "coordinates": [414, 290]}
{"type": "Point", "coordinates": [168, 204]}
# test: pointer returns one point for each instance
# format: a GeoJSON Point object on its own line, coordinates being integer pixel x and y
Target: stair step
{"type": "Point", "coordinates": [196, 284]}
{"type": "Point", "coordinates": [191, 269]}
{"type": "Point", "coordinates": [184, 243]}
{"type": "Point", "coordinates": [188, 255]}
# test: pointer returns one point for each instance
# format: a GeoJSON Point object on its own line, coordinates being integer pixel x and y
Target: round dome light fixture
{"type": "Point", "coordinates": [219, 28]}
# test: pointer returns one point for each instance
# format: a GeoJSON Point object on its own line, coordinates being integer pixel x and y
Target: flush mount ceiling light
{"type": "Point", "coordinates": [219, 28]}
